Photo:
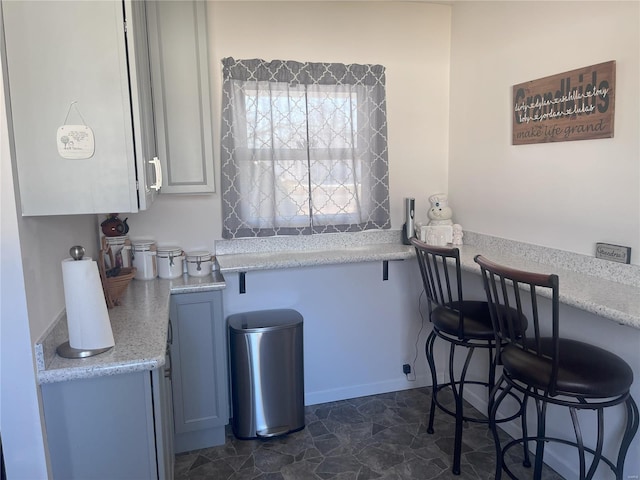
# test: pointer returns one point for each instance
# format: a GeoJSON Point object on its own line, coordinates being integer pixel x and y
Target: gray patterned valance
{"type": "Point", "coordinates": [306, 73]}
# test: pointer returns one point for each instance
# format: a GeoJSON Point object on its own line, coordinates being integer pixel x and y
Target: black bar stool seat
{"type": "Point", "coordinates": [583, 369]}
{"type": "Point", "coordinates": [476, 318]}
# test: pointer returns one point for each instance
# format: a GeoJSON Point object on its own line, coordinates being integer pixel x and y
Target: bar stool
{"type": "Point", "coordinates": [461, 323]}
{"type": "Point", "coordinates": [552, 370]}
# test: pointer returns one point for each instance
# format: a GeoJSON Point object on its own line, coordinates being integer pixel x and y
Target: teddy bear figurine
{"type": "Point", "coordinates": [440, 213]}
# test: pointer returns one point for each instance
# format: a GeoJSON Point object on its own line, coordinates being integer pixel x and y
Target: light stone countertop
{"type": "Point", "coordinates": [139, 328]}
{"type": "Point", "coordinates": [140, 324]}
{"type": "Point", "coordinates": [244, 262]}
{"type": "Point", "coordinates": [270, 253]}
{"type": "Point", "coordinates": [608, 289]}
{"type": "Point", "coordinates": [609, 299]}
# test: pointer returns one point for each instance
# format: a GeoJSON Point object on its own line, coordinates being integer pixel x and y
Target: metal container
{"type": "Point", "coordinates": [144, 259]}
{"type": "Point", "coordinates": [170, 260]}
{"type": "Point", "coordinates": [267, 373]}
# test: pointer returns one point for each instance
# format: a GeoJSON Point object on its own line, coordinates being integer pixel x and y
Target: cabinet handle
{"type": "Point", "coordinates": [158, 168]}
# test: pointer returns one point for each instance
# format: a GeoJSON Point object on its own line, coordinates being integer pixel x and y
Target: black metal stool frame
{"type": "Point", "coordinates": [503, 288]}
{"type": "Point", "coordinates": [434, 262]}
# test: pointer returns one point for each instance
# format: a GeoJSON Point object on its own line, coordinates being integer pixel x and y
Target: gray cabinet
{"type": "Point", "coordinates": [59, 53]}
{"type": "Point", "coordinates": [109, 427]}
{"type": "Point", "coordinates": [163, 416]}
{"type": "Point", "coordinates": [181, 93]}
{"type": "Point", "coordinates": [200, 381]}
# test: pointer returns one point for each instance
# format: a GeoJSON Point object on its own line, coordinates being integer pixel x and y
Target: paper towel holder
{"type": "Point", "coordinates": [66, 350]}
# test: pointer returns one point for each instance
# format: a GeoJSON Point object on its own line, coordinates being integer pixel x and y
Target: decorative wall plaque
{"type": "Point", "coordinates": [75, 141]}
{"type": "Point", "coordinates": [575, 105]}
{"type": "Point", "coordinates": [615, 253]}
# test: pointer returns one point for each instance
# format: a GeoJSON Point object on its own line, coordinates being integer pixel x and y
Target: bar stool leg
{"type": "Point", "coordinates": [541, 407]}
{"type": "Point", "coordinates": [633, 419]}
{"type": "Point", "coordinates": [579, 442]}
{"type": "Point", "coordinates": [493, 360]}
{"type": "Point", "coordinates": [457, 396]}
{"type": "Point", "coordinates": [434, 378]}
{"type": "Point", "coordinates": [494, 403]}
{"type": "Point", "coordinates": [526, 462]}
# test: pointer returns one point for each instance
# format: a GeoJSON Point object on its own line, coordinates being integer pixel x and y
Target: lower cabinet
{"type": "Point", "coordinates": [110, 427]}
{"type": "Point", "coordinates": [199, 370]}
{"type": "Point", "coordinates": [162, 389]}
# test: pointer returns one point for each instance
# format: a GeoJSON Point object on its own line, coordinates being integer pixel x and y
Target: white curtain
{"type": "Point", "coordinates": [303, 148]}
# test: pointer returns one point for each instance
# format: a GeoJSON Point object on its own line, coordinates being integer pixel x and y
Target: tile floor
{"type": "Point", "coordinates": [377, 437]}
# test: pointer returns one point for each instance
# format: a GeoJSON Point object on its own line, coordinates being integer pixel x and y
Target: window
{"type": "Point", "coordinates": [303, 148]}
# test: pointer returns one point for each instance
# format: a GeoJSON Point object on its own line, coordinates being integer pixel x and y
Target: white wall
{"type": "Point", "coordinates": [358, 329]}
{"type": "Point", "coordinates": [32, 298]}
{"type": "Point", "coordinates": [410, 39]}
{"type": "Point", "coordinates": [20, 416]}
{"type": "Point", "coordinates": [566, 195]}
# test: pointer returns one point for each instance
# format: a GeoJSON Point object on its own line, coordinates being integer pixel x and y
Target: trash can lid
{"type": "Point", "coordinates": [264, 319]}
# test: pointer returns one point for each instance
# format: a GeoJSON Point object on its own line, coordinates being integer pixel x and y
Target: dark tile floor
{"type": "Point", "coordinates": [377, 437]}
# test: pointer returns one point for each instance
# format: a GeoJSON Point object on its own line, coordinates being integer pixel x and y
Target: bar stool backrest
{"type": "Point", "coordinates": [437, 265]}
{"type": "Point", "coordinates": [512, 292]}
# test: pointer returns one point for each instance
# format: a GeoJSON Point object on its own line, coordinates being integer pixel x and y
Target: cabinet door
{"type": "Point", "coordinates": [148, 166]}
{"type": "Point", "coordinates": [57, 54]}
{"type": "Point", "coordinates": [163, 418]}
{"type": "Point", "coordinates": [101, 428]}
{"type": "Point", "coordinates": [181, 94]}
{"type": "Point", "coordinates": [200, 385]}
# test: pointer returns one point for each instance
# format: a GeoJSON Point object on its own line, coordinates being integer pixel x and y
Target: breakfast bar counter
{"type": "Point", "coordinates": [601, 296]}
{"type": "Point", "coordinates": [608, 289]}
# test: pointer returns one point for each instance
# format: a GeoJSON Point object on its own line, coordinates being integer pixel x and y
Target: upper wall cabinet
{"type": "Point", "coordinates": [77, 65]}
{"type": "Point", "coordinates": [181, 92]}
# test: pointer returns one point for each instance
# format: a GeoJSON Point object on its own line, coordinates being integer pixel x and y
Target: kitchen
{"type": "Point", "coordinates": [566, 195]}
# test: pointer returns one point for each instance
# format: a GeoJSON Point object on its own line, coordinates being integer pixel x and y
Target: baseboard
{"type": "Point", "coordinates": [198, 439]}
{"type": "Point", "coordinates": [363, 390]}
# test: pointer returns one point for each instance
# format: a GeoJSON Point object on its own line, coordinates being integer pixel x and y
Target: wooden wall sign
{"type": "Point", "coordinates": [575, 105]}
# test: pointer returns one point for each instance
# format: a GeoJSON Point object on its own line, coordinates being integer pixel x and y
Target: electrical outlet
{"type": "Point", "coordinates": [406, 369]}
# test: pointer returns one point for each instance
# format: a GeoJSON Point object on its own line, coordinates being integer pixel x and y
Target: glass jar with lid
{"type": "Point", "coordinates": [199, 264]}
{"type": "Point", "coordinates": [170, 261]}
{"type": "Point", "coordinates": [144, 259]}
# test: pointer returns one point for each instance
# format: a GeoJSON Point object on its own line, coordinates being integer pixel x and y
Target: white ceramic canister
{"type": "Point", "coordinates": [199, 264]}
{"type": "Point", "coordinates": [144, 259]}
{"type": "Point", "coordinates": [120, 250]}
{"type": "Point", "coordinates": [170, 262]}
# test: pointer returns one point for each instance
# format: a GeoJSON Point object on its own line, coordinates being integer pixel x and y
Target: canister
{"type": "Point", "coordinates": [170, 262]}
{"type": "Point", "coordinates": [120, 251]}
{"type": "Point", "coordinates": [144, 259]}
{"type": "Point", "coordinates": [199, 264]}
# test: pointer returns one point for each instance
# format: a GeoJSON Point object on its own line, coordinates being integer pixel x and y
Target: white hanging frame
{"type": "Point", "coordinates": [75, 142]}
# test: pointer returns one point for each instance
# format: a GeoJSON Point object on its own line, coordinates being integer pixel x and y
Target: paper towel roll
{"type": "Point", "coordinates": [87, 314]}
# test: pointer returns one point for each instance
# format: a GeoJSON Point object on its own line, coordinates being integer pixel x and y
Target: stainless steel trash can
{"type": "Point", "coordinates": [267, 373]}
